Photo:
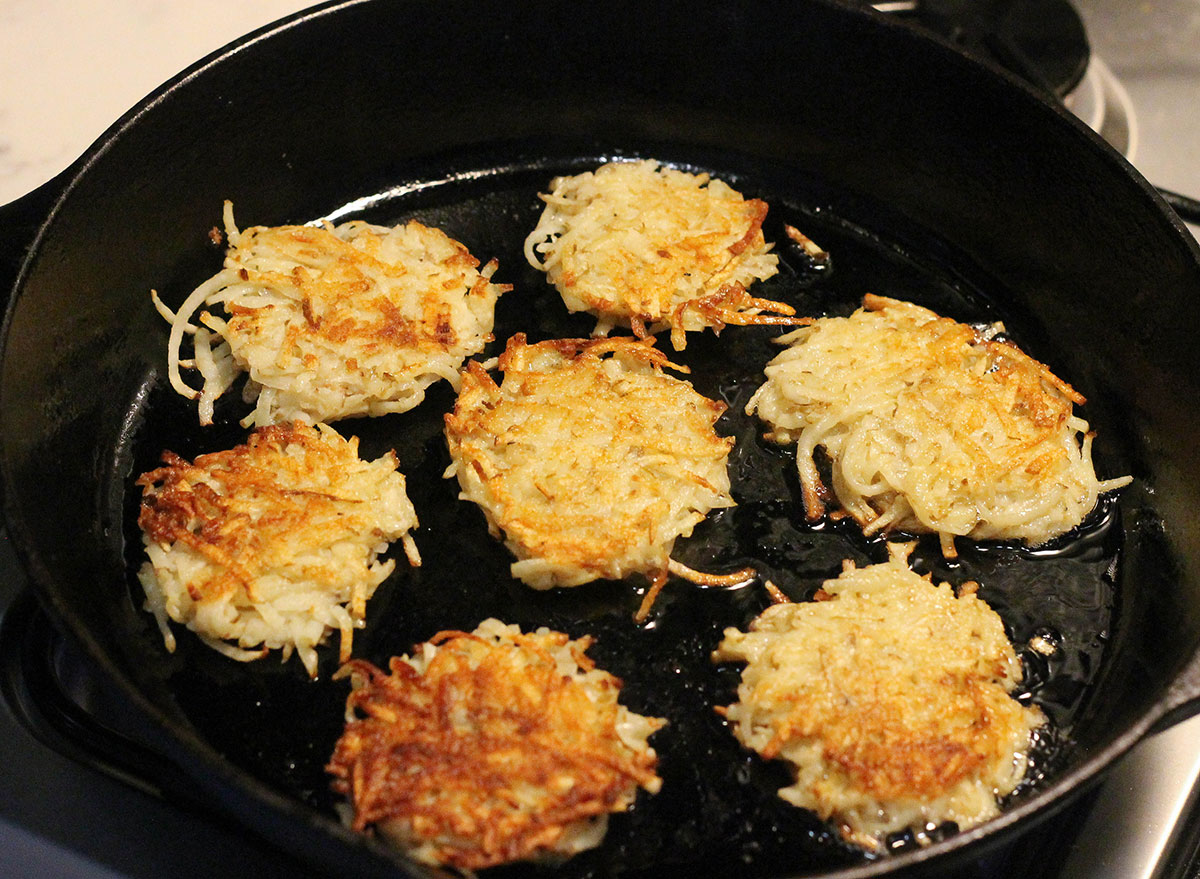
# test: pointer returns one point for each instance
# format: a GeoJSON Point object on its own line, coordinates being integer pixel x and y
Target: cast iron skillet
{"type": "Point", "coordinates": [926, 175]}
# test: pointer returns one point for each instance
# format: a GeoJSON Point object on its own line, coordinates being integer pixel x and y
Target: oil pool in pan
{"type": "Point", "coordinates": [717, 811]}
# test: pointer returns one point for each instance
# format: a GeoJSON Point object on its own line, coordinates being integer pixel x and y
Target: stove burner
{"type": "Point", "coordinates": [1041, 41]}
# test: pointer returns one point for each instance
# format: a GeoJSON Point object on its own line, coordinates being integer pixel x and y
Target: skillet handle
{"type": "Point", "coordinates": [1187, 208]}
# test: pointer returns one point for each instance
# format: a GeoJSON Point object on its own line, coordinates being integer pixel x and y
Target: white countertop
{"type": "Point", "coordinates": [70, 68]}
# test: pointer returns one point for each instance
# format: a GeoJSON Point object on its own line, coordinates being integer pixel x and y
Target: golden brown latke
{"type": "Point", "coordinates": [889, 696]}
{"type": "Point", "coordinates": [491, 747]}
{"type": "Point", "coordinates": [588, 459]}
{"type": "Point", "coordinates": [271, 544]}
{"type": "Point", "coordinates": [931, 426]}
{"type": "Point", "coordinates": [332, 322]}
{"type": "Point", "coordinates": [647, 247]}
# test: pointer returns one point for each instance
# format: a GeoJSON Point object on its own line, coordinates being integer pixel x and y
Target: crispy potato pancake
{"type": "Point", "coordinates": [332, 322]}
{"type": "Point", "coordinates": [272, 544]}
{"type": "Point", "coordinates": [645, 246]}
{"type": "Point", "coordinates": [931, 426]}
{"type": "Point", "coordinates": [491, 747]}
{"type": "Point", "coordinates": [587, 458]}
{"type": "Point", "coordinates": [889, 697]}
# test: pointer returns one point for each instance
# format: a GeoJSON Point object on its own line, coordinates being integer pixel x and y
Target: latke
{"type": "Point", "coordinates": [930, 426]}
{"type": "Point", "coordinates": [890, 699]}
{"type": "Point", "coordinates": [272, 544]}
{"type": "Point", "coordinates": [332, 322]}
{"type": "Point", "coordinates": [645, 246]}
{"type": "Point", "coordinates": [587, 458]}
{"type": "Point", "coordinates": [491, 747]}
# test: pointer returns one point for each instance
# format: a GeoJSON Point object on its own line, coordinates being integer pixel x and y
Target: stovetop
{"type": "Point", "coordinates": [80, 798]}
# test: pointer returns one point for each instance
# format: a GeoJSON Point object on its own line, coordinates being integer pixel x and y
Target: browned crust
{"type": "Point", "coordinates": [340, 289]}
{"type": "Point", "coordinates": [181, 504]}
{"type": "Point", "coordinates": [879, 749]}
{"type": "Point", "coordinates": [731, 304]}
{"type": "Point", "coordinates": [453, 753]}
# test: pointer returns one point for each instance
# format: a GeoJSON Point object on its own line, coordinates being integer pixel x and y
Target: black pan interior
{"type": "Point", "coordinates": [717, 808]}
{"type": "Point", "coordinates": [926, 176]}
